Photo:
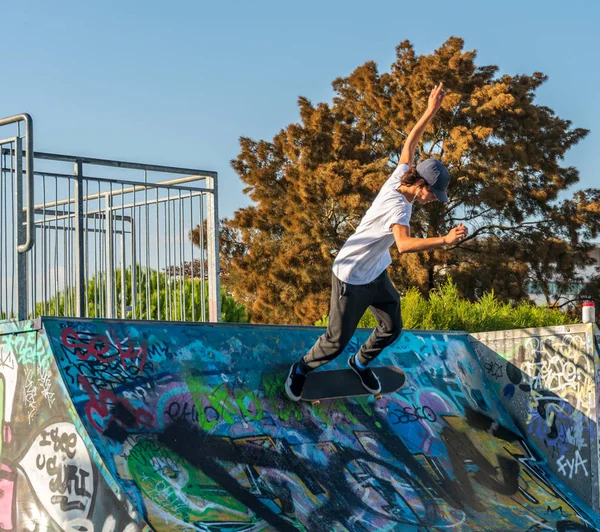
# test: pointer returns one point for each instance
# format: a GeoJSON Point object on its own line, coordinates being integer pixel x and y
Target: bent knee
{"type": "Point", "coordinates": [338, 342]}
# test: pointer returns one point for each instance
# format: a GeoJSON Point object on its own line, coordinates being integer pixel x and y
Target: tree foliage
{"type": "Point", "coordinates": [312, 183]}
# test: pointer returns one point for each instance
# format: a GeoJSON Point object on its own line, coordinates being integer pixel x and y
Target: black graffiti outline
{"type": "Point", "coordinates": [185, 439]}
{"type": "Point", "coordinates": [412, 414]}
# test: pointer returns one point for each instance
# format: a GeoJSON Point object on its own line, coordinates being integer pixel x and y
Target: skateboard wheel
{"type": "Point", "coordinates": [315, 403]}
{"type": "Point", "coordinates": [378, 396]}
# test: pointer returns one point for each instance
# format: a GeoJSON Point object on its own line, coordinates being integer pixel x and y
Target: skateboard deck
{"type": "Point", "coordinates": [342, 383]}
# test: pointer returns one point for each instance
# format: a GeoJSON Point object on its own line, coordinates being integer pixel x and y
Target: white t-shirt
{"type": "Point", "coordinates": [366, 254]}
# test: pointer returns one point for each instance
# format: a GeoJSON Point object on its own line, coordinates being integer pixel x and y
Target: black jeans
{"type": "Point", "coordinates": [348, 304]}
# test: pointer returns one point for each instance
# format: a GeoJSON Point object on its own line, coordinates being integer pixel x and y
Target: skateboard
{"type": "Point", "coordinates": [342, 383]}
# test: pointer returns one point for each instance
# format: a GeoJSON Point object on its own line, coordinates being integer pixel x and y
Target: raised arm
{"type": "Point", "coordinates": [407, 244]}
{"type": "Point", "coordinates": [414, 137]}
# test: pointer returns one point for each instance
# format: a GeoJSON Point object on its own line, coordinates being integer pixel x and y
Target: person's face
{"type": "Point", "coordinates": [425, 195]}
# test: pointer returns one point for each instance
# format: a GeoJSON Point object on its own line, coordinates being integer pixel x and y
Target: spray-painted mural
{"type": "Point", "coordinates": [191, 422]}
{"type": "Point", "coordinates": [48, 479]}
{"type": "Point", "coordinates": [547, 383]}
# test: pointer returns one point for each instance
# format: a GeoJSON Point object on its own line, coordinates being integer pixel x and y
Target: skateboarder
{"type": "Point", "coordinates": [360, 279]}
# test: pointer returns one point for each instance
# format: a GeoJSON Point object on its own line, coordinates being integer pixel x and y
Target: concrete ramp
{"type": "Point", "coordinates": [113, 426]}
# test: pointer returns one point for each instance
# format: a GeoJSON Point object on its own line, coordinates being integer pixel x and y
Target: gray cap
{"type": "Point", "coordinates": [437, 177]}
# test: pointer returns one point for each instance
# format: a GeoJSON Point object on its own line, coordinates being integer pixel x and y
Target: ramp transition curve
{"type": "Point", "coordinates": [125, 426]}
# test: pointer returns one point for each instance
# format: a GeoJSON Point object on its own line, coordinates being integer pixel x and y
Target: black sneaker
{"type": "Point", "coordinates": [294, 383]}
{"type": "Point", "coordinates": [368, 379]}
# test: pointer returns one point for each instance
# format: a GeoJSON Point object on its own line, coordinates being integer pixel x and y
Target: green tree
{"type": "Point", "coordinates": [158, 296]}
{"type": "Point", "coordinates": [313, 182]}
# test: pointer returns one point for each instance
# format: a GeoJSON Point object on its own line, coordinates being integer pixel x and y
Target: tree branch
{"type": "Point", "coordinates": [473, 217]}
{"type": "Point", "coordinates": [568, 302]}
{"type": "Point", "coordinates": [501, 228]}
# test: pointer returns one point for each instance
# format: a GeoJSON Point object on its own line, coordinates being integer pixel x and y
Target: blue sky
{"type": "Point", "coordinates": [179, 82]}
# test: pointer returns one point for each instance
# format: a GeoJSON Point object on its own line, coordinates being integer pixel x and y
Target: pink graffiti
{"type": "Point", "coordinates": [7, 494]}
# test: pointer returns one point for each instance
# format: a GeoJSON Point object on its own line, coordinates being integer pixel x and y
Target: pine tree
{"type": "Point", "coordinates": [314, 181]}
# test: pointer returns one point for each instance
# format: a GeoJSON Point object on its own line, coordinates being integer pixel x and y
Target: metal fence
{"type": "Point", "coordinates": [101, 238]}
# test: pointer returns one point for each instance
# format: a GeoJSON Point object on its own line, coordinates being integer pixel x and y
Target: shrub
{"type": "Point", "coordinates": [446, 310]}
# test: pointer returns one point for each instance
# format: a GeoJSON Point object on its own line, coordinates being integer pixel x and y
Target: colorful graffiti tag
{"type": "Point", "coordinates": [191, 422]}
{"type": "Point", "coordinates": [48, 480]}
{"type": "Point", "coordinates": [547, 383]}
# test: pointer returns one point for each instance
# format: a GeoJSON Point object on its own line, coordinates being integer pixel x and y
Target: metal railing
{"type": "Point", "coordinates": [103, 238]}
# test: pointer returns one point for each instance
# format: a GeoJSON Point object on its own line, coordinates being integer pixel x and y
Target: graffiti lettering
{"type": "Point", "coordinates": [62, 442]}
{"type": "Point", "coordinates": [68, 478]}
{"type": "Point", "coordinates": [30, 393]}
{"type": "Point", "coordinates": [29, 348]}
{"type": "Point", "coordinates": [46, 384]}
{"type": "Point", "coordinates": [120, 413]}
{"type": "Point", "coordinates": [58, 466]}
{"type": "Point", "coordinates": [412, 414]}
{"type": "Point", "coordinates": [183, 411]}
{"type": "Point", "coordinates": [494, 370]}
{"type": "Point", "coordinates": [572, 465]}
{"type": "Point", "coordinates": [99, 346]}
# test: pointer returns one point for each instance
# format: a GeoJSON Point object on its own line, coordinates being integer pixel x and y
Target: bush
{"type": "Point", "coordinates": [446, 310]}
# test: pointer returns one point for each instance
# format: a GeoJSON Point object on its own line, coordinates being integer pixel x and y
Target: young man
{"type": "Point", "coordinates": [360, 280]}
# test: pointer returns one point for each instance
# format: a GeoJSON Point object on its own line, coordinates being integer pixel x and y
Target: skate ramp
{"type": "Point", "coordinates": [51, 477]}
{"type": "Point", "coordinates": [184, 428]}
{"type": "Point", "coordinates": [546, 380]}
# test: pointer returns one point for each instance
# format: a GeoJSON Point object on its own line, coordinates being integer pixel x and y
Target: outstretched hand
{"type": "Point", "coordinates": [457, 233]}
{"type": "Point", "coordinates": [436, 97]}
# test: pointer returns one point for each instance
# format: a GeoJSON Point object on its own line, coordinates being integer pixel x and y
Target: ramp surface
{"type": "Point", "coordinates": [187, 429]}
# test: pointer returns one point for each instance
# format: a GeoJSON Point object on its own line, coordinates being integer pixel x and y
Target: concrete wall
{"type": "Point", "coordinates": [50, 477]}
{"type": "Point", "coordinates": [547, 380]}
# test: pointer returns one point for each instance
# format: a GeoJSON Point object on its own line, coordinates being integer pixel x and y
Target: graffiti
{"type": "Point", "coordinates": [104, 349]}
{"type": "Point", "coordinates": [30, 393]}
{"type": "Point", "coordinates": [37, 380]}
{"type": "Point", "coordinates": [7, 359]}
{"type": "Point", "coordinates": [561, 364]}
{"type": "Point", "coordinates": [192, 428]}
{"type": "Point", "coordinates": [58, 465]}
{"type": "Point", "coordinates": [45, 379]}
{"type": "Point", "coordinates": [412, 414]}
{"type": "Point", "coordinates": [47, 478]}
{"type": "Point", "coordinates": [187, 411]}
{"type": "Point", "coordinates": [403, 486]}
{"type": "Point", "coordinates": [494, 370]}
{"type": "Point", "coordinates": [112, 415]}
{"type": "Point", "coordinates": [572, 466]}
{"type": "Point", "coordinates": [30, 348]}
{"type": "Point", "coordinates": [549, 386]}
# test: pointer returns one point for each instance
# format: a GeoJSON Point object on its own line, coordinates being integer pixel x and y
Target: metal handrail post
{"type": "Point", "coordinates": [21, 273]}
{"type": "Point", "coordinates": [30, 231]}
{"type": "Point", "coordinates": [110, 261]}
{"type": "Point", "coordinates": [80, 286]}
{"type": "Point", "coordinates": [214, 270]}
